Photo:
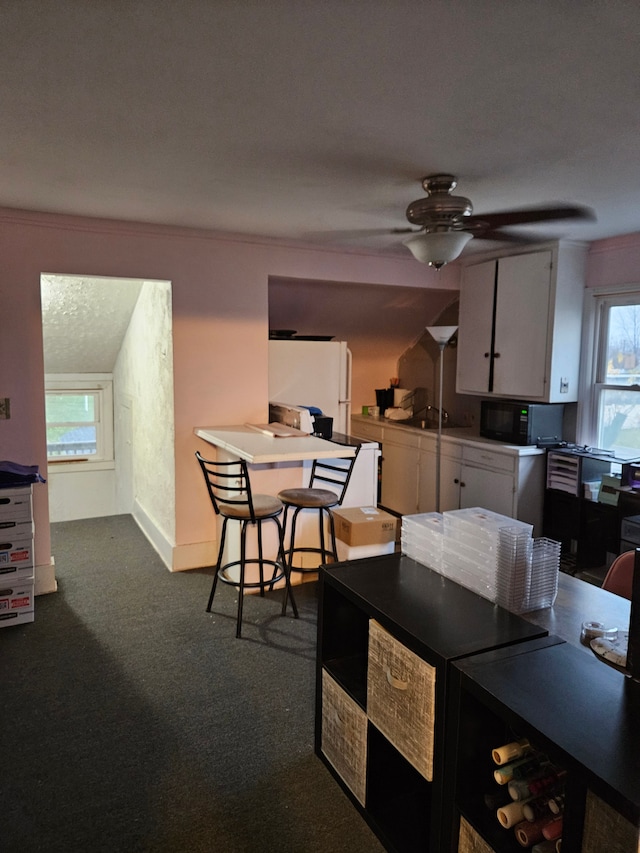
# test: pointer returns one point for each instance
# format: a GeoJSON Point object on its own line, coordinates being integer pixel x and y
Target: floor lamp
{"type": "Point", "coordinates": [441, 335]}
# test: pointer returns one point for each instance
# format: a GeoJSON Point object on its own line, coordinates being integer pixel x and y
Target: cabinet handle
{"type": "Point", "coordinates": [395, 682]}
{"type": "Point", "coordinates": [487, 354]}
{"type": "Point", "coordinates": [456, 481]}
{"type": "Point", "coordinates": [462, 485]}
{"type": "Point", "coordinates": [496, 355]}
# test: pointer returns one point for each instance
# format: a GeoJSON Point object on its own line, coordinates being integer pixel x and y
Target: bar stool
{"type": "Point", "coordinates": [230, 492]}
{"type": "Point", "coordinates": [331, 472]}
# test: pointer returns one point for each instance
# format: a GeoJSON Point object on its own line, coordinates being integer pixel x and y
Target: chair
{"type": "Point", "coordinates": [619, 578]}
{"type": "Point", "coordinates": [230, 492]}
{"type": "Point", "coordinates": [335, 473]}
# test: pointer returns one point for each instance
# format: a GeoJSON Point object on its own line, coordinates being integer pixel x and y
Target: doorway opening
{"type": "Point", "coordinates": [108, 363]}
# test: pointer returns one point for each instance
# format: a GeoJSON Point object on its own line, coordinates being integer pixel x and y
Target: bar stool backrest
{"type": "Point", "coordinates": [228, 485]}
{"type": "Point", "coordinates": [333, 473]}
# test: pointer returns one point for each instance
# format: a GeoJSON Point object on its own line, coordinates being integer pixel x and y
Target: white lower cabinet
{"type": "Point", "coordinates": [505, 479]}
{"type": "Point", "coordinates": [400, 466]}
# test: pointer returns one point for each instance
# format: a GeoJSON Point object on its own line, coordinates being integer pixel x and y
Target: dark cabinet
{"type": "Point", "coordinates": [580, 713]}
{"type": "Point", "coordinates": [388, 632]}
{"type": "Point", "coordinates": [419, 679]}
{"type": "Point", "coordinates": [586, 528]}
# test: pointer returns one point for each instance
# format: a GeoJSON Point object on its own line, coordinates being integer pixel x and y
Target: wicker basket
{"type": "Point", "coordinates": [606, 829]}
{"type": "Point", "coordinates": [401, 698]}
{"type": "Point", "coordinates": [470, 842]}
{"type": "Point", "coordinates": [344, 737]}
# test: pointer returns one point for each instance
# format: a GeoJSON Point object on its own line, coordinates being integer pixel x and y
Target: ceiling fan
{"type": "Point", "coordinates": [447, 222]}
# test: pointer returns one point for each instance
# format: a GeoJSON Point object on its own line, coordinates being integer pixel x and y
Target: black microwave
{"type": "Point", "coordinates": [516, 422]}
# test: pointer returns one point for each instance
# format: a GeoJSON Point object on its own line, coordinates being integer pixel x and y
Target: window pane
{"type": "Point", "coordinates": [619, 422]}
{"type": "Point", "coordinates": [623, 346]}
{"type": "Point", "coordinates": [70, 408]}
{"type": "Point", "coordinates": [71, 441]}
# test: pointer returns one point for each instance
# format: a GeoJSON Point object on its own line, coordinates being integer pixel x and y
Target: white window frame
{"type": "Point", "coordinates": [102, 385]}
{"type": "Point", "coordinates": [595, 331]}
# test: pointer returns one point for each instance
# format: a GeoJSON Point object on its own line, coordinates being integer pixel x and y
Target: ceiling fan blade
{"type": "Point", "coordinates": [505, 236]}
{"type": "Point", "coordinates": [529, 215]}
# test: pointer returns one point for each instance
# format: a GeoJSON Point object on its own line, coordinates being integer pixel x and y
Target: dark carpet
{"type": "Point", "coordinates": [132, 720]}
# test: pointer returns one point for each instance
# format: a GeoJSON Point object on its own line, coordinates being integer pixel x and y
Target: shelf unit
{"type": "Point", "coordinates": [425, 623]}
{"type": "Point", "coordinates": [579, 712]}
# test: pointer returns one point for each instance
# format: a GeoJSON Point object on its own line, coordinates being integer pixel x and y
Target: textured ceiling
{"type": "Point", "coordinates": [84, 321]}
{"type": "Point", "coordinates": [315, 121]}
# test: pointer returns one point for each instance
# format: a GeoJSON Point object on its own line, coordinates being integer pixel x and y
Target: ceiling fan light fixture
{"type": "Point", "coordinates": [437, 248]}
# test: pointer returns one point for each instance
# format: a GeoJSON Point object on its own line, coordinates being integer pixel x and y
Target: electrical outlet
{"type": "Point", "coordinates": [564, 385]}
{"type": "Point", "coordinates": [5, 411]}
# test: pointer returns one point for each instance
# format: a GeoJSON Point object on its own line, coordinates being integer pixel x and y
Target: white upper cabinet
{"type": "Point", "coordinates": [520, 325]}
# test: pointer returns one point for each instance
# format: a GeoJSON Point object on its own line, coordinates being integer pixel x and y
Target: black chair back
{"type": "Point", "coordinates": [228, 485]}
{"type": "Point", "coordinates": [334, 474]}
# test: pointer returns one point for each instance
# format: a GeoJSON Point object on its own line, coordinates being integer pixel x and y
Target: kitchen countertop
{"type": "Point", "coordinates": [454, 434]}
{"type": "Point", "coordinates": [256, 447]}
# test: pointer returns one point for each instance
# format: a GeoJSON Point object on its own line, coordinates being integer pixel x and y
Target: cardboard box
{"type": "Point", "coordinates": [359, 552]}
{"type": "Point", "coordinates": [16, 553]}
{"type": "Point", "coordinates": [15, 505]}
{"type": "Point", "coordinates": [365, 525]}
{"type": "Point", "coordinates": [16, 599]}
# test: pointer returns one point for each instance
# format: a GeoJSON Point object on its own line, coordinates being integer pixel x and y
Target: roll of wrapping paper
{"type": "Point", "coordinates": [510, 751]}
{"type": "Point", "coordinates": [553, 830]}
{"type": "Point", "coordinates": [535, 809]}
{"type": "Point", "coordinates": [556, 804]}
{"type": "Point", "coordinates": [544, 847]}
{"type": "Point", "coordinates": [511, 814]}
{"type": "Point", "coordinates": [546, 781]}
{"type": "Point", "coordinates": [519, 769]}
{"type": "Point", "coordinates": [527, 833]}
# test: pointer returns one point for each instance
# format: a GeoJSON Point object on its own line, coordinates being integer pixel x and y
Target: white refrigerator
{"type": "Point", "coordinates": [313, 373]}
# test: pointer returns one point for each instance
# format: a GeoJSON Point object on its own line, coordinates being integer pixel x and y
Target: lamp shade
{"type": "Point", "coordinates": [437, 248]}
{"type": "Point", "coordinates": [441, 334]}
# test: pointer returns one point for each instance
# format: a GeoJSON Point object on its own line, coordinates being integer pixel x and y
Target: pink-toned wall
{"type": "Point", "coordinates": [614, 262]}
{"type": "Point", "coordinates": [220, 326]}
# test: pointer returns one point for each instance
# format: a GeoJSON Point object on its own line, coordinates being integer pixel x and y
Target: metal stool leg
{"type": "Point", "coordinates": [243, 554]}
{"type": "Point", "coordinates": [218, 564]}
{"type": "Point", "coordinates": [332, 529]}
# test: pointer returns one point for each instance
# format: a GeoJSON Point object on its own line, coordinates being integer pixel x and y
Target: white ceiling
{"type": "Point", "coordinates": [84, 321]}
{"type": "Point", "coordinates": [310, 120]}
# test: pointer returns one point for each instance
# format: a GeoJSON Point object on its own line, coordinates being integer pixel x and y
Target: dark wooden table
{"type": "Point", "coordinates": [578, 602]}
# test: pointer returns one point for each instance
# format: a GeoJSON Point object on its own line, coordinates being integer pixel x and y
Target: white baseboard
{"type": "Point", "coordinates": [45, 578]}
{"type": "Point", "coordinates": [177, 558]}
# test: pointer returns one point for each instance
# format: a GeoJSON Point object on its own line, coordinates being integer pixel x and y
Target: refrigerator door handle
{"type": "Point", "coordinates": [348, 366]}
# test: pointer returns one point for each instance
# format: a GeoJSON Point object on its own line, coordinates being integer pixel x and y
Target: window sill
{"type": "Point", "coordinates": [69, 466]}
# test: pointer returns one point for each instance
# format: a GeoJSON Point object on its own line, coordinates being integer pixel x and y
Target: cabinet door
{"type": "Point", "coordinates": [399, 478]}
{"type": "Point", "coordinates": [492, 490]}
{"type": "Point", "coordinates": [521, 325]}
{"type": "Point", "coordinates": [475, 322]}
{"type": "Point", "coordinates": [449, 482]}
{"type": "Point", "coordinates": [450, 475]}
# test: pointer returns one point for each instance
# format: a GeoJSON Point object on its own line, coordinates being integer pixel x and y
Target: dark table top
{"type": "Point", "coordinates": [578, 602]}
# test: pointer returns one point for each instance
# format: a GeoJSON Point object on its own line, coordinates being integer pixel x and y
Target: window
{"type": "Point", "coordinates": [79, 420]}
{"type": "Point", "coordinates": [616, 387]}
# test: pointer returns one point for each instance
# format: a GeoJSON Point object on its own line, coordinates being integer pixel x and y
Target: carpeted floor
{"type": "Point", "coordinates": [132, 720]}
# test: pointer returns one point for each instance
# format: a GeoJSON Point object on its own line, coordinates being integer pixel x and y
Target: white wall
{"type": "Point", "coordinates": [144, 418]}
{"type": "Point", "coordinates": [220, 333]}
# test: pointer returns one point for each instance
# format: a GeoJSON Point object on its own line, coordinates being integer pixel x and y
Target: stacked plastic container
{"type": "Point", "coordinates": [422, 538]}
{"type": "Point", "coordinates": [491, 554]}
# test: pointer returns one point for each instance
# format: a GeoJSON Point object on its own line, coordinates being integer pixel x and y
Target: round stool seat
{"type": "Point", "coordinates": [309, 498]}
{"type": "Point", "coordinates": [264, 506]}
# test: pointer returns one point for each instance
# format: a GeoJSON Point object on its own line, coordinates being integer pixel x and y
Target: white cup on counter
{"type": "Point", "coordinates": [374, 411]}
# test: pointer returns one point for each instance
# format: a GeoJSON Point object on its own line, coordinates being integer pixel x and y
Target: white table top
{"type": "Point", "coordinates": [256, 447]}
